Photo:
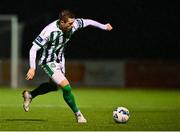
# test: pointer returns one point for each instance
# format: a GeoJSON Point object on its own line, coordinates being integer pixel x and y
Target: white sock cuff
{"type": "Point", "coordinates": [78, 113]}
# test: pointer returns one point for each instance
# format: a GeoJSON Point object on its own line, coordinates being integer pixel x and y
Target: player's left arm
{"type": "Point", "coordinates": [82, 23]}
{"type": "Point", "coordinates": [90, 22]}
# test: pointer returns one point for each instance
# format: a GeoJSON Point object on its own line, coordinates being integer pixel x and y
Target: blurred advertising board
{"type": "Point", "coordinates": [129, 73]}
{"type": "Point", "coordinates": [152, 74]}
{"type": "Point", "coordinates": [95, 73]}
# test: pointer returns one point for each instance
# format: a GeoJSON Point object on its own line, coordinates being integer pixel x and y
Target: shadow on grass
{"type": "Point", "coordinates": [35, 120]}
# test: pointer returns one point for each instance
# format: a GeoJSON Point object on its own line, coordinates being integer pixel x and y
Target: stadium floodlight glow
{"type": "Point", "coordinates": [14, 47]}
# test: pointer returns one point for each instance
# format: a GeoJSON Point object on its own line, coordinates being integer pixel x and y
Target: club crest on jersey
{"type": "Point", "coordinates": [39, 39]}
{"type": "Point", "coordinates": [53, 65]}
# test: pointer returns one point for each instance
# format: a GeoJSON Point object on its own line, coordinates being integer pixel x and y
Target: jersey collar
{"type": "Point", "coordinates": [57, 24]}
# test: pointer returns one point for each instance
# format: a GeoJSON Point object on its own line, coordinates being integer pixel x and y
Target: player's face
{"type": "Point", "coordinates": [66, 26]}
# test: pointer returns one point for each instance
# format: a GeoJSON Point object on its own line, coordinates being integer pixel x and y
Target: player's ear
{"type": "Point", "coordinates": [61, 22]}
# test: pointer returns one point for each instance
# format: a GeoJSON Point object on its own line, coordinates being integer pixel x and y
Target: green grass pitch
{"type": "Point", "coordinates": [157, 110]}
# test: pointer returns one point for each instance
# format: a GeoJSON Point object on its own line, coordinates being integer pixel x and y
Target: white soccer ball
{"type": "Point", "coordinates": [121, 115]}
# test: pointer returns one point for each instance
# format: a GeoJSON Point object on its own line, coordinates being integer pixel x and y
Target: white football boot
{"type": "Point", "coordinates": [80, 118]}
{"type": "Point", "coordinates": [27, 100]}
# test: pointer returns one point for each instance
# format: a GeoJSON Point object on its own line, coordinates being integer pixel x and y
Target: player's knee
{"type": "Point", "coordinates": [66, 89]}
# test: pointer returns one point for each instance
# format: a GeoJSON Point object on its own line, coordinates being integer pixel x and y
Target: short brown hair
{"type": "Point", "coordinates": [65, 14]}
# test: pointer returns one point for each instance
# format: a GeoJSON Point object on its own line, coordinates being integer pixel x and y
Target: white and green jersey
{"type": "Point", "coordinates": [52, 41]}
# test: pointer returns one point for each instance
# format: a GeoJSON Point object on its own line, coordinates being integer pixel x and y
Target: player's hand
{"type": "Point", "coordinates": [30, 74]}
{"type": "Point", "coordinates": [109, 27]}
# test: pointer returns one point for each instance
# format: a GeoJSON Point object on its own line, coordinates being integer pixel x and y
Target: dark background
{"type": "Point", "coordinates": [142, 29]}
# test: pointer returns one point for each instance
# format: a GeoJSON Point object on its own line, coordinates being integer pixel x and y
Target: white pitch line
{"type": "Point", "coordinates": [41, 105]}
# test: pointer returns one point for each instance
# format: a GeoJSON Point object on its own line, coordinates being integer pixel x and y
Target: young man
{"type": "Point", "coordinates": [52, 41]}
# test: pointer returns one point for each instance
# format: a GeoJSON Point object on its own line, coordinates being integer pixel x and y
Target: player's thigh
{"type": "Point", "coordinates": [59, 78]}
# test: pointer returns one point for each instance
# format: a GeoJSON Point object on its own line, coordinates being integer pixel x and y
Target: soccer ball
{"type": "Point", "coordinates": [121, 115]}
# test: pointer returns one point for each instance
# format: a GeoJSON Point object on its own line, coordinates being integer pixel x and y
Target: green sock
{"type": "Point", "coordinates": [69, 98]}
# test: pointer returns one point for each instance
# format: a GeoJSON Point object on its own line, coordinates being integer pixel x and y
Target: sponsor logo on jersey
{"type": "Point", "coordinates": [39, 39]}
{"type": "Point", "coordinates": [53, 65]}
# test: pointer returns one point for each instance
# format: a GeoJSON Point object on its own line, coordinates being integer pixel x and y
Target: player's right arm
{"type": "Point", "coordinates": [32, 60]}
{"type": "Point", "coordinates": [38, 43]}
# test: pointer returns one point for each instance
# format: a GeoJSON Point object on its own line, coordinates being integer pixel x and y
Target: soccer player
{"type": "Point", "coordinates": [52, 41]}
